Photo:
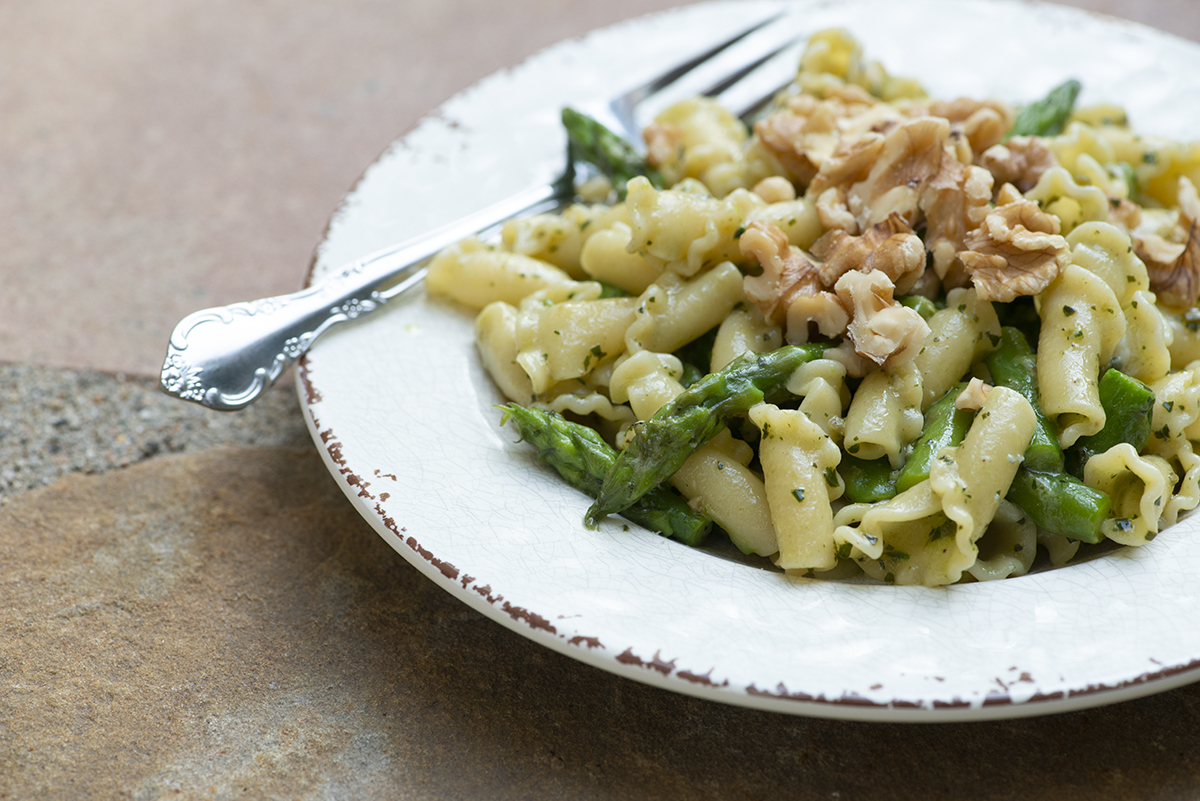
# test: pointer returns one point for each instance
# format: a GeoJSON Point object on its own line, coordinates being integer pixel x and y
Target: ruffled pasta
{"type": "Point", "coordinates": [496, 340]}
{"type": "Point", "coordinates": [559, 239]}
{"type": "Point", "coordinates": [563, 335]}
{"type": "Point", "coordinates": [1175, 427]}
{"type": "Point", "coordinates": [1057, 193]}
{"type": "Point", "coordinates": [1144, 351]}
{"type": "Point", "coordinates": [606, 257]}
{"type": "Point", "coordinates": [474, 275]}
{"type": "Point", "coordinates": [673, 312]}
{"type": "Point", "coordinates": [1139, 487]}
{"type": "Point", "coordinates": [928, 534]}
{"type": "Point", "coordinates": [884, 415]}
{"type": "Point", "coordinates": [1081, 326]}
{"type": "Point", "coordinates": [959, 335]}
{"type": "Point", "coordinates": [1008, 547]}
{"type": "Point", "coordinates": [799, 464]}
{"type": "Point", "coordinates": [742, 331]}
{"type": "Point", "coordinates": [683, 231]}
{"type": "Point", "coordinates": [821, 385]}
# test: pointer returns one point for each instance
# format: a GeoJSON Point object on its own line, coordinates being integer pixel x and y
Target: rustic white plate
{"type": "Point", "coordinates": [403, 414]}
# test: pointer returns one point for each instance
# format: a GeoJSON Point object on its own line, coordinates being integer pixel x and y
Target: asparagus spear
{"type": "Point", "coordinates": [867, 481]}
{"type": "Point", "coordinates": [1128, 409]}
{"type": "Point", "coordinates": [583, 458]}
{"type": "Point", "coordinates": [1048, 116]}
{"type": "Point", "coordinates": [590, 142]}
{"type": "Point", "coordinates": [1061, 504]}
{"type": "Point", "coordinates": [663, 443]}
{"type": "Point", "coordinates": [945, 425]}
{"type": "Point", "coordinates": [1014, 365]}
{"type": "Point", "coordinates": [920, 304]}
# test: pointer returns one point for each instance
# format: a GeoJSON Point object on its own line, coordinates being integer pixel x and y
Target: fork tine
{"type": "Point", "coordinates": [618, 113]}
{"type": "Point", "coordinates": [659, 82]}
{"type": "Point", "coordinates": [742, 70]}
{"type": "Point", "coordinates": [757, 86]}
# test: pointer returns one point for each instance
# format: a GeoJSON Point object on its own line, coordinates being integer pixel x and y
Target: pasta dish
{"type": "Point", "coordinates": [873, 333]}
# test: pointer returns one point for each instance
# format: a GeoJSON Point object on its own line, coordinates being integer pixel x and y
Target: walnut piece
{"type": "Point", "coordinates": [972, 398]}
{"type": "Point", "coordinates": [850, 162]}
{"type": "Point", "coordinates": [786, 271]}
{"type": "Point", "coordinates": [1016, 251]}
{"type": "Point", "coordinates": [1154, 250]}
{"type": "Point", "coordinates": [983, 122]}
{"type": "Point", "coordinates": [880, 328]}
{"type": "Point", "coordinates": [1188, 199]}
{"type": "Point", "coordinates": [832, 211]}
{"type": "Point", "coordinates": [1174, 281]}
{"type": "Point", "coordinates": [1174, 267]}
{"type": "Point", "coordinates": [1020, 161]}
{"type": "Point", "coordinates": [890, 247]}
{"type": "Point", "coordinates": [1124, 214]}
{"type": "Point", "coordinates": [912, 155]}
{"type": "Point", "coordinates": [823, 311]}
{"type": "Point", "coordinates": [788, 290]}
{"type": "Point", "coordinates": [804, 134]}
{"type": "Point", "coordinates": [955, 201]}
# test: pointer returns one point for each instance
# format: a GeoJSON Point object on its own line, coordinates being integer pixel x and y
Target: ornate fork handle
{"type": "Point", "coordinates": [225, 357]}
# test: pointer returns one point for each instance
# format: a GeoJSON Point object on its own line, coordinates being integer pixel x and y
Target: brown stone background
{"type": "Point", "coordinates": [188, 607]}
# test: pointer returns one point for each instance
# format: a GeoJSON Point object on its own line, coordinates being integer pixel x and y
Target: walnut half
{"type": "Point", "coordinates": [1016, 251]}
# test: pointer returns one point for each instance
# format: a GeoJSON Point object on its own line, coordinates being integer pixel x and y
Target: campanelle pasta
{"type": "Point", "coordinates": [1000, 332]}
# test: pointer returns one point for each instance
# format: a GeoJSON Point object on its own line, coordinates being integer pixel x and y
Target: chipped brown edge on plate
{"type": "Point", "coordinates": [656, 669]}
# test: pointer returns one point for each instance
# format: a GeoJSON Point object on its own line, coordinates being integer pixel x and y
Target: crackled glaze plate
{"type": "Point", "coordinates": [403, 414]}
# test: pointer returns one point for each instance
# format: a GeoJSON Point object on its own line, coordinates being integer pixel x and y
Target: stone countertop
{"type": "Point", "coordinates": [190, 606]}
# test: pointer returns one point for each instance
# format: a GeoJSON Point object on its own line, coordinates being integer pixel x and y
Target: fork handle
{"type": "Point", "coordinates": [225, 357]}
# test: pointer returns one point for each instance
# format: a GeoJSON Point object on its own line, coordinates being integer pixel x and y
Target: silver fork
{"type": "Point", "coordinates": [225, 357]}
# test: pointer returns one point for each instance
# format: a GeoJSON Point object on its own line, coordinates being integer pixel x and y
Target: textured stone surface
{"type": "Point", "coordinates": [54, 422]}
{"type": "Point", "coordinates": [223, 624]}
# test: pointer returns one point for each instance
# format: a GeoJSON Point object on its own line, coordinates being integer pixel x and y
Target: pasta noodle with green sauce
{"type": "Point", "coordinates": [877, 334]}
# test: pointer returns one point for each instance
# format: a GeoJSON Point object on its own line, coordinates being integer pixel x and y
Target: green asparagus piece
{"type": "Point", "coordinates": [867, 481]}
{"type": "Point", "coordinates": [663, 443]}
{"type": "Point", "coordinates": [1014, 365]}
{"type": "Point", "coordinates": [1048, 116]}
{"type": "Point", "coordinates": [608, 290]}
{"type": "Point", "coordinates": [945, 426]}
{"type": "Point", "coordinates": [1128, 409]}
{"type": "Point", "coordinates": [583, 458]}
{"type": "Point", "coordinates": [590, 142]}
{"type": "Point", "coordinates": [920, 304]}
{"type": "Point", "coordinates": [1061, 504]}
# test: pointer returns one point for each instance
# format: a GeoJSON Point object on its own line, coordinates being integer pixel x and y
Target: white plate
{"type": "Point", "coordinates": [402, 412]}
